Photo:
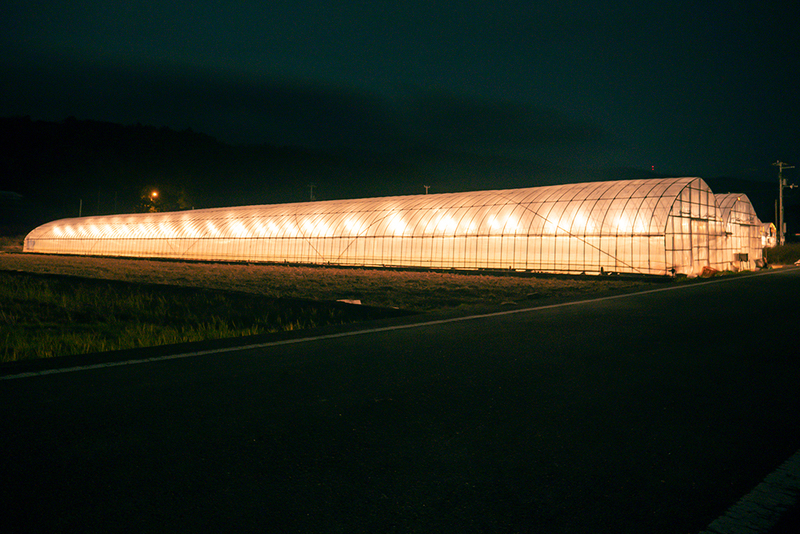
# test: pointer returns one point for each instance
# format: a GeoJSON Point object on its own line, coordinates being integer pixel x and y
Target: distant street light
{"type": "Point", "coordinates": [152, 197]}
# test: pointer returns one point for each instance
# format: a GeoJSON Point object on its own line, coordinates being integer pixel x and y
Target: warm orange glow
{"type": "Point", "coordinates": [661, 226]}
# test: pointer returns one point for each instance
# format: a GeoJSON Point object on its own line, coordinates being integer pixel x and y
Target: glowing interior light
{"type": "Point", "coordinates": [579, 221]}
{"type": "Point", "coordinates": [352, 226]}
{"type": "Point", "coordinates": [237, 229]}
{"type": "Point", "coordinates": [623, 224]}
{"type": "Point", "coordinates": [189, 230]}
{"type": "Point", "coordinates": [501, 224]}
{"type": "Point", "coordinates": [512, 225]}
{"type": "Point", "coordinates": [446, 224]}
{"type": "Point", "coordinates": [556, 216]}
{"type": "Point", "coordinates": [165, 230]}
{"type": "Point", "coordinates": [321, 229]}
{"type": "Point", "coordinates": [396, 225]}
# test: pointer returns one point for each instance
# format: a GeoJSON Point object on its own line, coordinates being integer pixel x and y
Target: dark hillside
{"type": "Point", "coordinates": [61, 169]}
{"type": "Point", "coordinates": [109, 166]}
{"type": "Point", "coordinates": [58, 169]}
{"type": "Point", "coordinates": [51, 170]}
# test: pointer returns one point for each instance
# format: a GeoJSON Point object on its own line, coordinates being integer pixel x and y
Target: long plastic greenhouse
{"type": "Point", "coordinates": [655, 227]}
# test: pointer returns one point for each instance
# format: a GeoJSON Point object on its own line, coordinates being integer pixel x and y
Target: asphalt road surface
{"type": "Point", "coordinates": [647, 413]}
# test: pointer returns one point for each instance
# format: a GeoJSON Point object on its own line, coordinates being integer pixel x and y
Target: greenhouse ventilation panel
{"type": "Point", "coordinates": [654, 227]}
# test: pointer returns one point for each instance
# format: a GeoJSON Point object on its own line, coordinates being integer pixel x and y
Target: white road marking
{"type": "Point", "coordinates": [366, 331]}
{"type": "Point", "coordinates": [756, 512]}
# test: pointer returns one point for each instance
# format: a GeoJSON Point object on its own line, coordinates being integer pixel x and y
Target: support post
{"type": "Point", "coordinates": [781, 184]}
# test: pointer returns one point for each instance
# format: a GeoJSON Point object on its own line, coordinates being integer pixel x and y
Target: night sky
{"type": "Point", "coordinates": [685, 88]}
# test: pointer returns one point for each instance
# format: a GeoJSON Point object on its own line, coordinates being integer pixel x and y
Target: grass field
{"type": "Point", "coordinates": [42, 316]}
{"type": "Point", "coordinates": [61, 305]}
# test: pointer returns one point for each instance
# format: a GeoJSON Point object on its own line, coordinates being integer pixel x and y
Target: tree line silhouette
{"type": "Point", "coordinates": [51, 170]}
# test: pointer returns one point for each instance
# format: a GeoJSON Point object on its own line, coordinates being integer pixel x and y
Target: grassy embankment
{"type": "Point", "coordinates": [44, 316]}
{"type": "Point", "coordinates": [785, 255]}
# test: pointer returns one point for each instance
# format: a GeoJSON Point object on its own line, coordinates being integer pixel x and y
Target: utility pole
{"type": "Point", "coordinates": [426, 188]}
{"type": "Point", "coordinates": [781, 184]}
{"type": "Point", "coordinates": [311, 192]}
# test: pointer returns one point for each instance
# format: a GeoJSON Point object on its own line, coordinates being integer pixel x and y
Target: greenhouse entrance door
{"type": "Point", "coordinates": [699, 245]}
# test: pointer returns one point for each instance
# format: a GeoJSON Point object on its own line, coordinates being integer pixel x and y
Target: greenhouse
{"type": "Point", "coordinates": [655, 227]}
{"type": "Point", "coordinates": [743, 229]}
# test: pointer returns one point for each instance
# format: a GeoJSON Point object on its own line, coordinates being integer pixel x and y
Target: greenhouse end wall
{"type": "Point", "coordinates": [743, 229]}
{"type": "Point", "coordinates": [654, 227]}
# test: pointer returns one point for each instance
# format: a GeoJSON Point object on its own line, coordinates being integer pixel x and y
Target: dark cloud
{"type": "Point", "coordinates": [456, 122]}
{"type": "Point", "coordinates": [285, 112]}
{"type": "Point", "coordinates": [232, 109]}
{"type": "Point", "coordinates": [702, 92]}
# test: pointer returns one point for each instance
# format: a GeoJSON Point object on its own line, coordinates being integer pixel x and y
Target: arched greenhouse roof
{"type": "Point", "coordinates": [736, 207]}
{"type": "Point", "coordinates": [597, 222]}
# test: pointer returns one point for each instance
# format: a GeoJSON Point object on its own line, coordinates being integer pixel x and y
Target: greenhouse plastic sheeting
{"type": "Point", "coordinates": [658, 226]}
{"type": "Point", "coordinates": [743, 229]}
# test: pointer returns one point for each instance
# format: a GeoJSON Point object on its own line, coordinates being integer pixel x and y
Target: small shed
{"type": "Point", "coordinates": [769, 235]}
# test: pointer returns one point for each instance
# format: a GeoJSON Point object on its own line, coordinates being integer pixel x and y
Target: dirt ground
{"type": "Point", "coordinates": [410, 290]}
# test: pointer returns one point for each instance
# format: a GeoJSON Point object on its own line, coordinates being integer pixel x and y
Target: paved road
{"type": "Point", "coordinates": [648, 413]}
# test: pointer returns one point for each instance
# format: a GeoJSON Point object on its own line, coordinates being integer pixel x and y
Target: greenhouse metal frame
{"type": "Point", "coordinates": [743, 229]}
{"type": "Point", "coordinates": [661, 226]}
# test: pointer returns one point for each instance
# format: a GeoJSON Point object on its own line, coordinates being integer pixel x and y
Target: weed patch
{"type": "Point", "coordinates": [784, 255]}
{"type": "Point", "coordinates": [47, 316]}
{"type": "Point", "coordinates": [59, 305]}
